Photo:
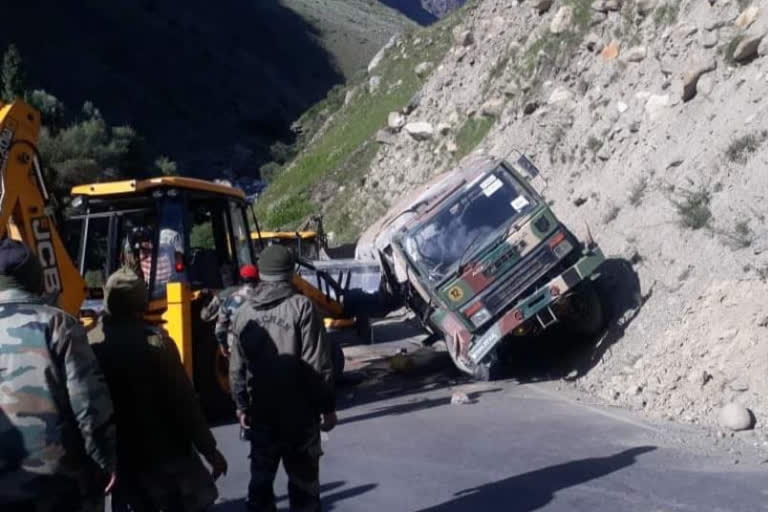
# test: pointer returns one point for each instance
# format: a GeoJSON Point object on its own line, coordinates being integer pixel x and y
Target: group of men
{"type": "Point", "coordinates": [111, 411]}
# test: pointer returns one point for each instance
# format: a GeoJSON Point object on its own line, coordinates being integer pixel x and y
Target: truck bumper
{"type": "Point", "coordinates": [536, 303]}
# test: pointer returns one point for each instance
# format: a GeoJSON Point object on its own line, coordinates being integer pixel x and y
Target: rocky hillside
{"type": "Point", "coordinates": [649, 119]}
{"type": "Point", "coordinates": [212, 88]}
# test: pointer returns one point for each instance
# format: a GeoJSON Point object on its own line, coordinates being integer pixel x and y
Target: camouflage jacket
{"type": "Point", "coordinates": [280, 365]}
{"type": "Point", "coordinates": [158, 414]}
{"type": "Point", "coordinates": [55, 408]}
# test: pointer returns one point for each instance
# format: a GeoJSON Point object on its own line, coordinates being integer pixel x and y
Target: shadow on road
{"type": "Point", "coordinates": [418, 405]}
{"type": "Point", "coordinates": [329, 500]}
{"type": "Point", "coordinates": [531, 491]}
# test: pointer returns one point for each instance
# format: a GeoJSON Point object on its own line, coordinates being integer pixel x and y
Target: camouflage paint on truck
{"type": "Point", "coordinates": [478, 255]}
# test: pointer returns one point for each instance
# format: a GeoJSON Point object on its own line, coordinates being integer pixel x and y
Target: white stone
{"type": "Point", "coordinates": [656, 105]}
{"type": "Point", "coordinates": [420, 130]}
{"type": "Point", "coordinates": [559, 95]}
{"type": "Point", "coordinates": [735, 417]}
{"type": "Point", "coordinates": [622, 107]}
{"type": "Point", "coordinates": [423, 68]}
{"type": "Point", "coordinates": [747, 17]}
{"type": "Point", "coordinates": [562, 20]}
{"type": "Point", "coordinates": [463, 37]}
{"type": "Point", "coordinates": [636, 54]}
{"type": "Point", "coordinates": [460, 398]}
{"type": "Point", "coordinates": [395, 121]}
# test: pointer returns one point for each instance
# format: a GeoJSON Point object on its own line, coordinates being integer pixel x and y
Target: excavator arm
{"type": "Point", "coordinates": [26, 211]}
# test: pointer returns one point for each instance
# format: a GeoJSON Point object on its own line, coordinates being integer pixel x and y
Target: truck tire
{"type": "Point", "coordinates": [484, 371]}
{"type": "Point", "coordinates": [582, 312]}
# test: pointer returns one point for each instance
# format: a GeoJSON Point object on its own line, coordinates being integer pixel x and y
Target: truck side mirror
{"type": "Point", "coordinates": [531, 170]}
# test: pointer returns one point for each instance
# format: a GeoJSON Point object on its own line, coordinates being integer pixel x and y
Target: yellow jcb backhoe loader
{"type": "Point", "coordinates": [189, 237]}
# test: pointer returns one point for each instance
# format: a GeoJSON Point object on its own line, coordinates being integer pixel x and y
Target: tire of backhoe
{"type": "Point", "coordinates": [216, 402]}
{"type": "Point", "coordinates": [338, 359]}
{"type": "Point", "coordinates": [584, 312]}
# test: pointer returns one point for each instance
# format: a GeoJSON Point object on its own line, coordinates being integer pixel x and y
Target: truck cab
{"type": "Point", "coordinates": [481, 257]}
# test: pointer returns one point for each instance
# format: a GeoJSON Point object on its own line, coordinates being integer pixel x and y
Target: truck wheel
{"type": "Point", "coordinates": [484, 371]}
{"type": "Point", "coordinates": [582, 312]}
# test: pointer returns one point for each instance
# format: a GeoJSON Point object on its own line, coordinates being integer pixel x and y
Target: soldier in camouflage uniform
{"type": "Point", "coordinates": [57, 438]}
{"type": "Point", "coordinates": [281, 375]}
{"type": "Point", "coordinates": [159, 420]}
{"type": "Point", "coordinates": [224, 305]}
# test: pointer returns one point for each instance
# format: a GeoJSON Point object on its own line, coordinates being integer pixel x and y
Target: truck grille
{"type": "Point", "coordinates": [522, 276]}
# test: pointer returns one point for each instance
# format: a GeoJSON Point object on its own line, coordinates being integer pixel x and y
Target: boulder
{"type": "Point", "coordinates": [762, 48]}
{"type": "Point", "coordinates": [691, 77]}
{"type": "Point", "coordinates": [542, 6]}
{"type": "Point", "coordinates": [736, 417]}
{"type": "Point", "coordinates": [747, 17]}
{"type": "Point", "coordinates": [395, 121]}
{"type": "Point", "coordinates": [593, 42]}
{"type": "Point", "coordinates": [562, 20]}
{"type": "Point", "coordinates": [612, 5]}
{"type": "Point", "coordinates": [709, 39]}
{"type": "Point", "coordinates": [420, 130]}
{"type": "Point", "coordinates": [492, 107]}
{"type": "Point", "coordinates": [386, 137]}
{"type": "Point", "coordinates": [460, 398]}
{"type": "Point", "coordinates": [747, 48]}
{"type": "Point", "coordinates": [559, 95]}
{"type": "Point", "coordinates": [462, 36]}
{"type": "Point", "coordinates": [443, 128]}
{"type": "Point", "coordinates": [645, 7]}
{"type": "Point", "coordinates": [423, 69]}
{"type": "Point", "coordinates": [656, 105]}
{"type": "Point", "coordinates": [374, 83]}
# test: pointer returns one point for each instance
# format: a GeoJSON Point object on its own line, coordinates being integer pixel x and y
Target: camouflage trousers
{"type": "Point", "coordinates": [301, 460]}
{"type": "Point", "coordinates": [179, 485]}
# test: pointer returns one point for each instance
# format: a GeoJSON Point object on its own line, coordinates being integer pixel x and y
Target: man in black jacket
{"type": "Point", "coordinates": [281, 374]}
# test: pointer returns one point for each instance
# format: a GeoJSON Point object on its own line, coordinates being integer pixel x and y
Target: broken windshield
{"type": "Point", "coordinates": [475, 213]}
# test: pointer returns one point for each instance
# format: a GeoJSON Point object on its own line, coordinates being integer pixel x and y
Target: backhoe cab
{"type": "Point", "coordinates": [187, 238]}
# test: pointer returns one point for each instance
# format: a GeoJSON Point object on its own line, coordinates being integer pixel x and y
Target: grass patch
{"type": "Point", "coordinates": [741, 148]}
{"type": "Point", "coordinates": [336, 152]}
{"type": "Point", "coordinates": [471, 133]}
{"type": "Point", "coordinates": [666, 13]}
{"type": "Point", "coordinates": [693, 208]}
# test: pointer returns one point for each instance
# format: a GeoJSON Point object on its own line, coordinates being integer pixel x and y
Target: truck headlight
{"type": "Point", "coordinates": [562, 249]}
{"type": "Point", "coordinates": [480, 317]}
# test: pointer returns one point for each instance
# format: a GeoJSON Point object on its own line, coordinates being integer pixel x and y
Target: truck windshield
{"type": "Point", "coordinates": [468, 220]}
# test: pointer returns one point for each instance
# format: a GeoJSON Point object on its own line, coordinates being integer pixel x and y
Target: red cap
{"type": "Point", "coordinates": [250, 272]}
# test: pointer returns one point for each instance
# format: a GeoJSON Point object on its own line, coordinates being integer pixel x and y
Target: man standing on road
{"type": "Point", "coordinates": [225, 303]}
{"type": "Point", "coordinates": [57, 439]}
{"type": "Point", "coordinates": [159, 420]}
{"type": "Point", "coordinates": [282, 383]}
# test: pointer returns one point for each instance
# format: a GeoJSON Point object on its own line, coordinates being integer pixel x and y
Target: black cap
{"type": "Point", "coordinates": [276, 263]}
{"type": "Point", "coordinates": [19, 267]}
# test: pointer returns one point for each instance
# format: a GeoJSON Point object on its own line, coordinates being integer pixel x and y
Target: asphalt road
{"type": "Point", "coordinates": [516, 448]}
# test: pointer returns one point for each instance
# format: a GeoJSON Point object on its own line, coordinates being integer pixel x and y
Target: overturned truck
{"type": "Point", "coordinates": [480, 258]}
